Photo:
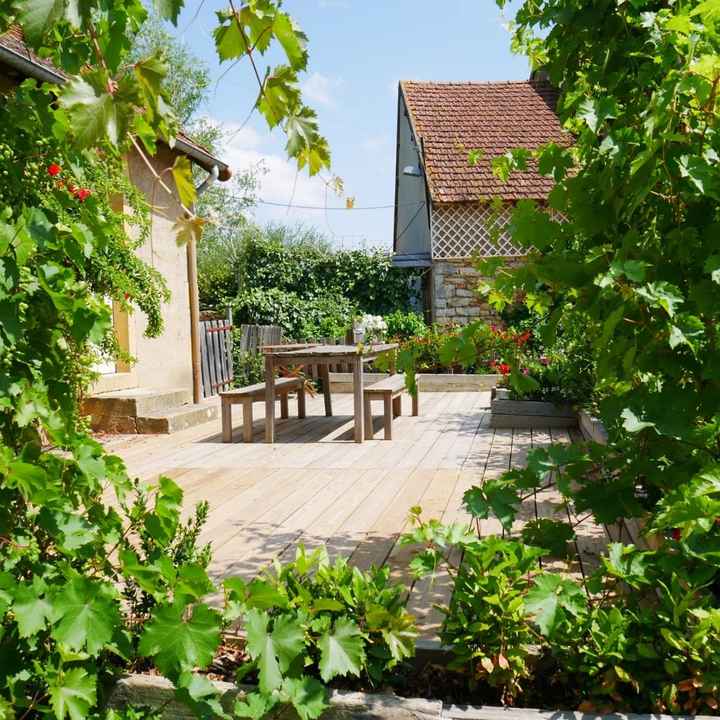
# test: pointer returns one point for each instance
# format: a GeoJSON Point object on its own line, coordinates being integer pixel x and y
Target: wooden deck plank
{"type": "Point", "coordinates": [317, 487]}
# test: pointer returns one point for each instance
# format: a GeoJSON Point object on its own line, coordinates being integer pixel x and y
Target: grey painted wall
{"type": "Point", "coordinates": [412, 234]}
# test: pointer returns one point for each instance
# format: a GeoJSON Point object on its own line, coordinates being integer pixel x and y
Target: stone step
{"type": "Point", "coordinates": [177, 418]}
{"type": "Point", "coordinates": [135, 403]}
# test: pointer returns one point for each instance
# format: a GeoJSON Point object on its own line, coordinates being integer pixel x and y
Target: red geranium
{"type": "Point", "coordinates": [504, 368]}
{"type": "Point", "coordinates": [54, 169]}
{"type": "Point", "coordinates": [82, 194]}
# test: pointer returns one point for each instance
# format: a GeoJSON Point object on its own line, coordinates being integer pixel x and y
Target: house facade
{"type": "Point", "coordinates": [166, 368]}
{"type": "Point", "coordinates": [449, 211]}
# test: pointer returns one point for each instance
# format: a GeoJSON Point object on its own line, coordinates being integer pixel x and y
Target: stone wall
{"type": "Point", "coordinates": [454, 293]}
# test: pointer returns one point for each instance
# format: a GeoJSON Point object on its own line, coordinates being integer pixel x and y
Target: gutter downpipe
{"type": "Point", "coordinates": [194, 297]}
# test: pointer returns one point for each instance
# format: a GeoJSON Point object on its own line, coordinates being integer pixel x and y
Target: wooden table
{"type": "Point", "coordinates": [323, 356]}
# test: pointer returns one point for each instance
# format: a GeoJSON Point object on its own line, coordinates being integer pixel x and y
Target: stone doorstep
{"type": "Point", "coordinates": [155, 691]}
{"type": "Point", "coordinates": [136, 402]}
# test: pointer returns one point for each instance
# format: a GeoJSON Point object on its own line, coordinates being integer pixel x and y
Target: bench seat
{"type": "Point", "coordinates": [389, 390]}
{"type": "Point", "coordinates": [250, 394]}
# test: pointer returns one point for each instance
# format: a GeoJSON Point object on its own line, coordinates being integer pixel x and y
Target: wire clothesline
{"type": "Point", "coordinates": [323, 207]}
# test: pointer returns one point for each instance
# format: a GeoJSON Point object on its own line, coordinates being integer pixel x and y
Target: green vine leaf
{"type": "Point", "coordinates": [93, 115]}
{"type": "Point", "coordinates": [552, 600]}
{"type": "Point", "coordinates": [274, 651]}
{"type": "Point", "coordinates": [180, 640]}
{"type": "Point", "coordinates": [72, 694]}
{"type": "Point", "coordinates": [342, 651]}
{"type": "Point", "coordinates": [86, 615]}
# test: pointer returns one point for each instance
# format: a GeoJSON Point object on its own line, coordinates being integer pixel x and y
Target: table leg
{"type": "Point", "coordinates": [269, 399]}
{"type": "Point", "coordinates": [358, 398]}
{"type": "Point", "coordinates": [325, 377]}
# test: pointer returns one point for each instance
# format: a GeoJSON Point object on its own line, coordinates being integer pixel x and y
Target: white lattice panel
{"type": "Point", "coordinates": [464, 230]}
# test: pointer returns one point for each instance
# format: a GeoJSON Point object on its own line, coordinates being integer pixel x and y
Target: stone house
{"type": "Point", "coordinates": [448, 211]}
{"type": "Point", "coordinates": [161, 390]}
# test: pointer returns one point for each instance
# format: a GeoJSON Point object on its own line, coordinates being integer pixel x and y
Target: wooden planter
{"type": "Point", "coordinates": [506, 413]}
{"type": "Point", "coordinates": [427, 382]}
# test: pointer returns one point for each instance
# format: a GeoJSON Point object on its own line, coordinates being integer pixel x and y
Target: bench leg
{"type": "Point", "coordinates": [284, 411]}
{"type": "Point", "coordinates": [397, 406]}
{"type": "Point", "coordinates": [388, 415]}
{"type": "Point", "coordinates": [226, 411]}
{"type": "Point", "coordinates": [301, 401]}
{"type": "Point", "coordinates": [416, 404]}
{"type": "Point", "coordinates": [247, 421]}
{"type": "Point", "coordinates": [368, 419]}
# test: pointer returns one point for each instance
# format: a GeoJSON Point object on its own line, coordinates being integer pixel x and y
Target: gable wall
{"type": "Point", "coordinates": [412, 231]}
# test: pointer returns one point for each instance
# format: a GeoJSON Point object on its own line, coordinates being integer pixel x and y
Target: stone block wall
{"type": "Point", "coordinates": [454, 295]}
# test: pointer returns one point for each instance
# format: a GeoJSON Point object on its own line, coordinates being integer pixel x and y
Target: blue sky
{"type": "Point", "coordinates": [359, 50]}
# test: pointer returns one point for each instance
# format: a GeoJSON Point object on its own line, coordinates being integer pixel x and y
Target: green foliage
{"type": "Point", "coordinates": [299, 318]}
{"type": "Point", "coordinates": [89, 589]}
{"type": "Point", "coordinates": [248, 367]}
{"type": "Point", "coordinates": [277, 276]}
{"type": "Point", "coordinates": [311, 619]}
{"type": "Point", "coordinates": [405, 325]}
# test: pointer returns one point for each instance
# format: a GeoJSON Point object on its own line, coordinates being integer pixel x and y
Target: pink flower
{"type": "Point", "coordinates": [525, 371]}
{"type": "Point", "coordinates": [544, 360]}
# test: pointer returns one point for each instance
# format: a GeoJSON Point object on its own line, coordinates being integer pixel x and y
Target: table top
{"type": "Point", "coordinates": [331, 351]}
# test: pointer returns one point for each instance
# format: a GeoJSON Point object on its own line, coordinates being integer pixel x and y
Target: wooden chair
{"type": "Point", "coordinates": [389, 390]}
{"type": "Point", "coordinates": [256, 393]}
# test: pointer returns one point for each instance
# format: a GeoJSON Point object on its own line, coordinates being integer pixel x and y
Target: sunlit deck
{"type": "Point", "coordinates": [316, 486]}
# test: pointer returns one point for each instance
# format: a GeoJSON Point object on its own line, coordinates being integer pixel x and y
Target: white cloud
{"type": "Point", "coordinates": [320, 88]}
{"type": "Point", "coordinates": [278, 178]}
{"type": "Point", "coordinates": [377, 143]}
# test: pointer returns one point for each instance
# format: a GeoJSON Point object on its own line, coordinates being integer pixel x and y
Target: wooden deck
{"type": "Point", "coordinates": [316, 486]}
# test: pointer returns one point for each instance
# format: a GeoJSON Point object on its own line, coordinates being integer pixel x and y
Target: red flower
{"type": "Point", "coordinates": [54, 169]}
{"type": "Point", "coordinates": [127, 296]}
{"type": "Point", "coordinates": [82, 194]}
{"type": "Point", "coordinates": [504, 368]}
{"type": "Point", "coordinates": [677, 534]}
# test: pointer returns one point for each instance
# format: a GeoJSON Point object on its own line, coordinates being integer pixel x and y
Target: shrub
{"type": "Point", "coordinates": [286, 277]}
{"type": "Point", "coordinates": [321, 620]}
{"type": "Point", "coordinates": [299, 318]}
{"type": "Point", "coordinates": [403, 325]}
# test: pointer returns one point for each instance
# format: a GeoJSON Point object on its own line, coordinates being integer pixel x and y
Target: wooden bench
{"type": "Point", "coordinates": [389, 390]}
{"type": "Point", "coordinates": [256, 393]}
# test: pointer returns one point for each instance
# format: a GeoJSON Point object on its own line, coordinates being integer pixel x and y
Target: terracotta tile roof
{"type": "Point", "coordinates": [453, 118]}
{"type": "Point", "coordinates": [13, 41]}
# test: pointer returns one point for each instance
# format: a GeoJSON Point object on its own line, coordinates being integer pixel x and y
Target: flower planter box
{"type": "Point", "coordinates": [153, 691]}
{"type": "Point", "coordinates": [506, 413]}
{"type": "Point", "coordinates": [342, 382]}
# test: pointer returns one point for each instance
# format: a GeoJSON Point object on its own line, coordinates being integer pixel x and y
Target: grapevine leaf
{"type": "Point", "coordinates": [72, 694]}
{"type": "Point", "coordinates": [494, 497]}
{"type": "Point", "coordinates": [86, 614]}
{"type": "Point", "coordinates": [551, 599]}
{"type": "Point", "coordinates": [342, 651]}
{"type": "Point", "coordinates": [169, 9]}
{"type": "Point", "coordinates": [31, 610]}
{"type": "Point", "coordinates": [274, 651]}
{"type": "Point", "coordinates": [255, 706]}
{"type": "Point", "coordinates": [307, 696]}
{"type": "Point", "coordinates": [182, 174]}
{"type": "Point", "coordinates": [292, 39]}
{"type": "Point", "coordinates": [37, 16]}
{"type": "Point", "coordinates": [553, 535]}
{"type": "Point", "coordinates": [180, 641]}
{"type": "Point", "coordinates": [93, 115]}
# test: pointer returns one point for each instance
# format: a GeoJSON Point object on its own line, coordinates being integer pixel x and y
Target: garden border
{"type": "Point", "coordinates": [426, 382]}
{"type": "Point", "coordinates": [155, 691]}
